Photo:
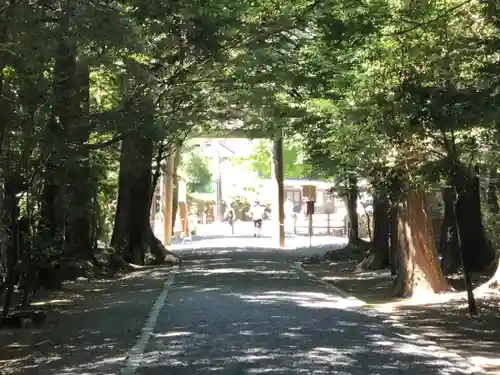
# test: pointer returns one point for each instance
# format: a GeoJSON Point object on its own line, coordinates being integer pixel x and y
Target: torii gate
{"type": "Point", "coordinates": [277, 176]}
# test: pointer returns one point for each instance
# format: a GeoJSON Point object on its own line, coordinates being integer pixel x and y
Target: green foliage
{"type": "Point", "coordinates": [294, 162]}
{"type": "Point", "coordinates": [359, 88]}
{"type": "Point", "coordinates": [195, 167]}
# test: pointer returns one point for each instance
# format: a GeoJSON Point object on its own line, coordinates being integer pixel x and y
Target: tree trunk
{"type": "Point", "coordinates": [493, 205]}
{"type": "Point", "coordinates": [393, 238]}
{"type": "Point", "coordinates": [80, 220]}
{"type": "Point", "coordinates": [352, 210]}
{"type": "Point", "coordinates": [478, 252]}
{"type": "Point", "coordinates": [418, 266]}
{"type": "Point", "coordinates": [394, 197]}
{"type": "Point", "coordinates": [448, 241]}
{"type": "Point", "coordinates": [175, 198]}
{"type": "Point", "coordinates": [63, 118]}
{"type": "Point", "coordinates": [131, 230]}
{"type": "Point", "coordinates": [159, 251]}
{"type": "Point", "coordinates": [378, 257]}
{"type": "Point", "coordinates": [9, 219]}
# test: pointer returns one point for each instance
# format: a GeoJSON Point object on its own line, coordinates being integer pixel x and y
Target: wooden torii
{"type": "Point", "coordinates": [277, 176]}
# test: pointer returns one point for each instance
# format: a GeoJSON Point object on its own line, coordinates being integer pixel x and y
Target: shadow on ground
{"type": "Point", "coordinates": [230, 311]}
{"type": "Point", "coordinates": [245, 313]}
{"type": "Point", "coordinates": [447, 323]}
{"type": "Point", "coordinates": [91, 327]}
{"type": "Point", "coordinates": [450, 326]}
{"type": "Point", "coordinates": [370, 286]}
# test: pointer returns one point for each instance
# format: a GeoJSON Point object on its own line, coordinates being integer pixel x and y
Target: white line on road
{"type": "Point", "coordinates": [136, 354]}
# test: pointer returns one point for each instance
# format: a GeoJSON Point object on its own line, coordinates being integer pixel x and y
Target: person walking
{"type": "Point", "coordinates": [257, 214]}
{"type": "Point", "coordinates": [231, 216]}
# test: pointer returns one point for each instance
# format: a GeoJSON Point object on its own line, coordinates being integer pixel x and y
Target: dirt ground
{"type": "Point", "coordinates": [442, 318]}
{"type": "Point", "coordinates": [88, 322]}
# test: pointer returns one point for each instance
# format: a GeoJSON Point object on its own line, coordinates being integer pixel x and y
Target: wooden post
{"type": "Point", "coordinates": [183, 216]}
{"type": "Point", "coordinates": [168, 195]}
{"type": "Point", "coordinates": [182, 207]}
{"type": "Point", "coordinates": [310, 229]}
{"type": "Point", "coordinates": [328, 223]}
{"type": "Point", "coordinates": [278, 176]}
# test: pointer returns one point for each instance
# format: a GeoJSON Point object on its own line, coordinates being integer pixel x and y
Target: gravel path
{"type": "Point", "coordinates": [248, 311]}
{"type": "Point", "coordinates": [236, 307]}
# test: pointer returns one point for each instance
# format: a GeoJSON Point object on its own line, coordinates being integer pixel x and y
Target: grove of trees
{"type": "Point", "coordinates": [403, 93]}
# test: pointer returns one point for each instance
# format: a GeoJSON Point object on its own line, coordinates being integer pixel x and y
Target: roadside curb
{"type": "Point", "coordinates": [340, 292]}
{"type": "Point", "coordinates": [135, 354]}
{"type": "Point", "coordinates": [388, 319]}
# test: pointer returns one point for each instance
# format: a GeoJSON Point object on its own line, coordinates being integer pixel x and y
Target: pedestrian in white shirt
{"type": "Point", "coordinates": [257, 214]}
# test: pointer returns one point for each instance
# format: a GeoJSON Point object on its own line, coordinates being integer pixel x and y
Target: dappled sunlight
{"type": "Point", "coordinates": [447, 323]}
{"type": "Point", "coordinates": [206, 272]}
{"type": "Point", "coordinates": [246, 323]}
{"type": "Point", "coordinates": [259, 302]}
{"type": "Point", "coordinates": [90, 327]}
{"type": "Point", "coordinates": [240, 313]}
{"type": "Point", "coordinates": [261, 351]}
{"type": "Point", "coordinates": [303, 299]}
{"type": "Point", "coordinates": [53, 302]}
{"type": "Point", "coordinates": [331, 356]}
{"type": "Point", "coordinates": [493, 363]}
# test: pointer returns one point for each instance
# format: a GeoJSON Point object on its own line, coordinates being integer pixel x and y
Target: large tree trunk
{"type": "Point", "coordinates": [393, 238]}
{"type": "Point", "coordinates": [175, 198]}
{"type": "Point", "coordinates": [478, 252]}
{"type": "Point", "coordinates": [9, 219]}
{"type": "Point", "coordinates": [378, 257]}
{"type": "Point", "coordinates": [448, 241]}
{"type": "Point", "coordinates": [64, 117]}
{"type": "Point", "coordinates": [80, 221]}
{"type": "Point", "coordinates": [418, 262]}
{"type": "Point", "coordinates": [352, 210]}
{"type": "Point", "coordinates": [160, 252]}
{"type": "Point", "coordinates": [131, 230]}
{"type": "Point", "coordinates": [394, 197]}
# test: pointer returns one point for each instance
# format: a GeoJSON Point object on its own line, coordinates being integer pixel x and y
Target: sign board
{"type": "Point", "coordinates": [309, 192]}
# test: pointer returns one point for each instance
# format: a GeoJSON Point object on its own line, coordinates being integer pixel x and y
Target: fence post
{"type": "Point", "coordinates": [310, 229]}
{"type": "Point", "coordinates": [294, 224]}
{"type": "Point", "coordinates": [328, 223]}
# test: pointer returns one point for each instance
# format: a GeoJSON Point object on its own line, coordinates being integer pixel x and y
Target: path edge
{"type": "Point", "coordinates": [386, 320]}
{"type": "Point", "coordinates": [136, 353]}
{"type": "Point", "coordinates": [299, 266]}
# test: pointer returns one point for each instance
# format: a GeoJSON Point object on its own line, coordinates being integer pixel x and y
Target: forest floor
{"type": "Point", "coordinates": [442, 318]}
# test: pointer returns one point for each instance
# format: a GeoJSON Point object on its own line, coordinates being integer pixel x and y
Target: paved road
{"type": "Point", "coordinates": [242, 309]}
{"type": "Point", "coordinates": [237, 307]}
